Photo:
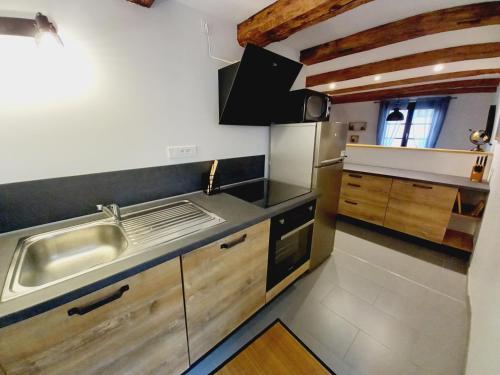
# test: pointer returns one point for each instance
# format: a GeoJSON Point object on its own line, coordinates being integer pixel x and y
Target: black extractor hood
{"type": "Point", "coordinates": [250, 90]}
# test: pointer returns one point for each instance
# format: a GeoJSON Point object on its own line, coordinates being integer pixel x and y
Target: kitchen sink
{"type": "Point", "coordinates": [49, 258]}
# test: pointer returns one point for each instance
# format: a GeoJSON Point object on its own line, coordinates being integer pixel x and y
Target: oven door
{"type": "Point", "coordinates": [288, 251]}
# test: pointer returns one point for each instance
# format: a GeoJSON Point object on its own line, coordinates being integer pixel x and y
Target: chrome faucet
{"type": "Point", "coordinates": [112, 210]}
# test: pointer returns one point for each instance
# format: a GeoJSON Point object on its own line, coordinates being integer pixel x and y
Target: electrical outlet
{"type": "Point", "coordinates": [182, 152]}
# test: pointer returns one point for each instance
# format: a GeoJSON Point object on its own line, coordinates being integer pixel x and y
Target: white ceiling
{"type": "Point", "coordinates": [369, 15]}
{"type": "Point", "coordinates": [235, 11]}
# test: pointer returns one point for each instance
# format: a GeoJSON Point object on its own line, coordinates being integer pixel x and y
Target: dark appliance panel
{"type": "Point", "coordinates": [248, 90]}
{"type": "Point", "coordinates": [290, 242]}
{"type": "Point", "coordinates": [303, 106]}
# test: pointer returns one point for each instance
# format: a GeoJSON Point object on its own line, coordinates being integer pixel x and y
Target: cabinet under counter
{"type": "Point", "coordinates": [417, 203]}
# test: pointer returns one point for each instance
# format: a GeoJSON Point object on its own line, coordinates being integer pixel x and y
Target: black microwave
{"type": "Point", "coordinates": [302, 106]}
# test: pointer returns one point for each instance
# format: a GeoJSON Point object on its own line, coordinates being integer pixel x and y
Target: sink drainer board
{"type": "Point", "coordinates": [165, 224]}
{"type": "Point", "coordinates": [49, 258]}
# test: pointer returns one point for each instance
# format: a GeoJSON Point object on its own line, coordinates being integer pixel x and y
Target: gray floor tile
{"type": "Point", "coordinates": [431, 356]}
{"type": "Point", "coordinates": [379, 275]}
{"type": "Point", "coordinates": [331, 330]}
{"type": "Point", "coordinates": [388, 330]}
{"type": "Point", "coordinates": [354, 283]}
{"type": "Point", "coordinates": [368, 357]}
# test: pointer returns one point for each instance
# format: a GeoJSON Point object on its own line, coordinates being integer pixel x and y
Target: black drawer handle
{"type": "Point", "coordinates": [86, 309]}
{"type": "Point", "coordinates": [422, 186]}
{"type": "Point", "coordinates": [351, 202]}
{"type": "Point", "coordinates": [355, 175]}
{"type": "Point", "coordinates": [235, 242]}
{"type": "Point", "coordinates": [353, 185]}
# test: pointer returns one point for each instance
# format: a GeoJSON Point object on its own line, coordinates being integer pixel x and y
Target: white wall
{"type": "Point", "coordinates": [129, 82]}
{"type": "Point", "coordinates": [362, 111]}
{"type": "Point", "coordinates": [468, 111]}
{"type": "Point", "coordinates": [453, 163]}
{"type": "Point", "coordinates": [484, 283]}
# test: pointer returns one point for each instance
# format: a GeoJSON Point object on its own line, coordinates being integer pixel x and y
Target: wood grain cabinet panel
{"type": "Point", "coordinates": [364, 197]}
{"type": "Point", "coordinates": [373, 189]}
{"type": "Point", "coordinates": [142, 332]}
{"type": "Point", "coordinates": [370, 212]}
{"type": "Point", "coordinates": [224, 284]}
{"type": "Point", "coordinates": [420, 209]}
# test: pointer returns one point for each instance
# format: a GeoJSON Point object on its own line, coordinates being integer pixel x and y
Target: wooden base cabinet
{"type": "Point", "coordinates": [224, 284]}
{"type": "Point", "coordinates": [420, 209]}
{"type": "Point", "coordinates": [142, 332]}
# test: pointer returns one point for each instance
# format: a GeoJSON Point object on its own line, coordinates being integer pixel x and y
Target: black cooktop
{"type": "Point", "coordinates": [266, 193]}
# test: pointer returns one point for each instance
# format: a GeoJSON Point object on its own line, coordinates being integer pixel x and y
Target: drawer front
{"type": "Point", "coordinates": [364, 187]}
{"type": "Point", "coordinates": [422, 210]}
{"type": "Point", "coordinates": [143, 331]}
{"type": "Point", "coordinates": [424, 193]}
{"type": "Point", "coordinates": [224, 284]}
{"type": "Point", "coordinates": [359, 209]}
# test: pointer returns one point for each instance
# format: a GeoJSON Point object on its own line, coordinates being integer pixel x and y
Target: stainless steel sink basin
{"type": "Point", "coordinates": [49, 258]}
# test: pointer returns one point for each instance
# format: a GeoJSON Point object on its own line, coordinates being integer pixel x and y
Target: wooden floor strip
{"type": "Point", "coordinates": [276, 350]}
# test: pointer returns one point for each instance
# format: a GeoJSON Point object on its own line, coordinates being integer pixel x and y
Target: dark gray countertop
{"type": "Point", "coordinates": [461, 182]}
{"type": "Point", "coordinates": [237, 213]}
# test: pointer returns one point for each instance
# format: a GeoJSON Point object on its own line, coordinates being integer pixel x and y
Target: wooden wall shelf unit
{"type": "Point", "coordinates": [422, 209]}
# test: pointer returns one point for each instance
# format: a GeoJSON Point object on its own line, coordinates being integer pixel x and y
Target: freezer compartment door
{"type": "Point", "coordinates": [331, 139]}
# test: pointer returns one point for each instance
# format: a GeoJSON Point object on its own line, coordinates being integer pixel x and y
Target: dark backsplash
{"type": "Point", "coordinates": [26, 204]}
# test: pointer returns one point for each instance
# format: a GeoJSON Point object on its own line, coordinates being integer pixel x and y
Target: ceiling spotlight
{"type": "Point", "coordinates": [378, 77]}
{"type": "Point", "coordinates": [438, 67]}
{"type": "Point", "coordinates": [332, 86]}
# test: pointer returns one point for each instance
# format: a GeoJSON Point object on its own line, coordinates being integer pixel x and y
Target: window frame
{"type": "Point", "coordinates": [409, 120]}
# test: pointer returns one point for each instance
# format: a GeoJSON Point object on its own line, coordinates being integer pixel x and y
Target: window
{"type": "Point", "coordinates": [423, 120]}
{"type": "Point", "coordinates": [420, 128]}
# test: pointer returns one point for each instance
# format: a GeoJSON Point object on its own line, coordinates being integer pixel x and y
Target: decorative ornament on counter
{"type": "Point", "coordinates": [478, 138]}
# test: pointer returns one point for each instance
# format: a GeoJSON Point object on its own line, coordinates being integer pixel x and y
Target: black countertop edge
{"type": "Point", "coordinates": [87, 289]}
{"type": "Point", "coordinates": [435, 178]}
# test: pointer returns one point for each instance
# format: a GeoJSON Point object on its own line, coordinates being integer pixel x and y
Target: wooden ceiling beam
{"type": "Point", "coordinates": [417, 60]}
{"type": "Point", "coordinates": [442, 88]}
{"type": "Point", "coordinates": [144, 3]}
{"type": "Point", "coordinates": [456, 18]}
{"type": "Point", "coordinates": [409, 81]}
{"type": "Point", "coordinates": [284, 17]}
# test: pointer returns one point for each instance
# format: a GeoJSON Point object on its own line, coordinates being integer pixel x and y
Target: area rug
{"type": "Point", "coordinates": [276, 350]}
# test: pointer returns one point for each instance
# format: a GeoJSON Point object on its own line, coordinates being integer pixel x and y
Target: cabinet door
{"type": "Point", "coordinates": [420, 209]}
{"type": "Point", "coordinates": [224, 284]}
{"type": "Point", "coordinates": [142, 332]}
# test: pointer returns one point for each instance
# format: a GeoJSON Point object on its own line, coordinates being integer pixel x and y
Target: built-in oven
{"type": "Point", "coordinates": [289, 242]}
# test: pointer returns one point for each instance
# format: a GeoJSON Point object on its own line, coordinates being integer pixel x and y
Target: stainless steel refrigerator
{"type": "Point", "coordinates": [312, 155]}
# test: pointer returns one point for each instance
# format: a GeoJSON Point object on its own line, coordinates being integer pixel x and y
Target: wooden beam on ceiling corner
{"type": "Point", "coordinates": [456, 18]}
{"type": "Point", "coordinates": [409, 81]}
{"type": "Point", "coordinates": [144, 3]}
{"type": "Point", "coordinates": [441, 88]}
{"type": "Point", "coordinates": [284, 17]}
{"type": "Point", "coordinates": [417, 60]}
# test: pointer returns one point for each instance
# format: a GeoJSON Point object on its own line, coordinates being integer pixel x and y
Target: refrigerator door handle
{"type": "Point", "coordinates": [326, 163]}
